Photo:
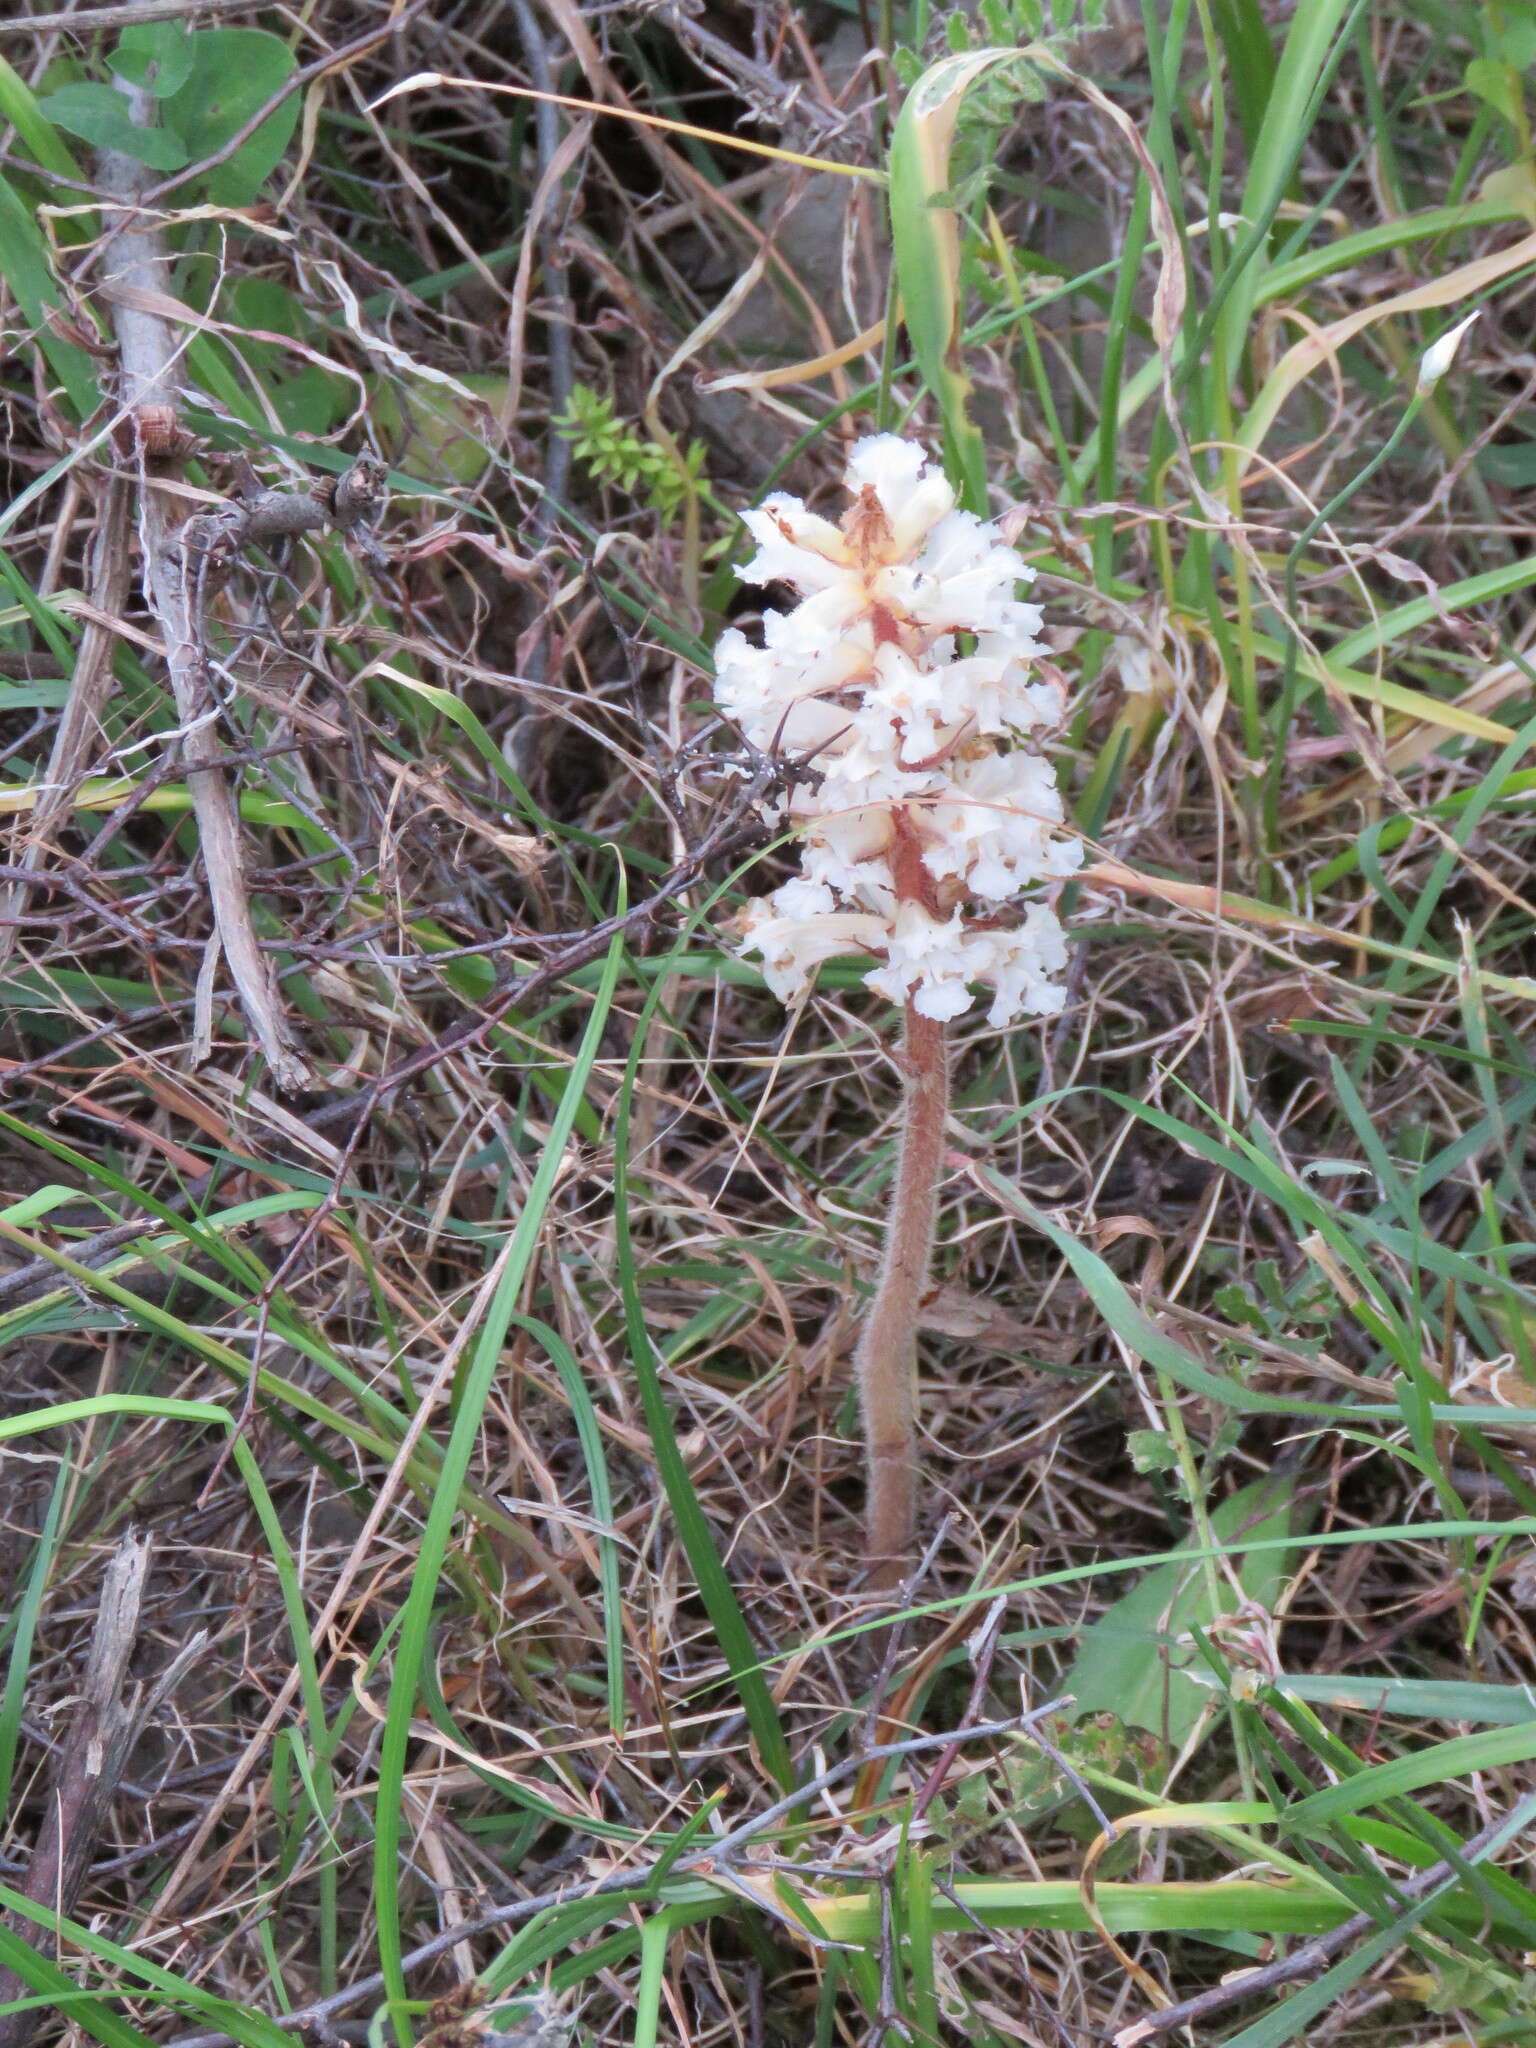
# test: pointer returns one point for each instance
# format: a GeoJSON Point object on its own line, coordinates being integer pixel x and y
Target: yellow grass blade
{"type": "Point", "coordinates": [421, 81]}
{"type": "Point", "coordinates": [799, 373]}
{"type": "Point", "coordinates": [1415, 704]}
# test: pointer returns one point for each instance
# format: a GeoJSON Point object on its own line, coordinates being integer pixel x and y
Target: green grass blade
{"type": "Point", "coordinates": [1251, 64]}
{"type": "Point", "coordinates": [485, 1360]}
{"type": "Point", "coordinates": [590, 1436]}
{"type": "Point", "coordinates": [715, 1588]}
{"type": "Point", "coordinates": [24, 1630]}
{"type": "Point", "coordinates": [693, 1529]}
{"type": "Point", "coordinates": [925, 239]}
{"type": "Point", "coordinates": [24, 265]}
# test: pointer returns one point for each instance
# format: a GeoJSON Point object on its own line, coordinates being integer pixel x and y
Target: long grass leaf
{"type": "Point", "coordinates": [485, 1360]}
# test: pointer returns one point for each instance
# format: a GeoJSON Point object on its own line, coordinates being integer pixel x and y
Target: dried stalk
{"type": "Point", "coordinates": [137, 266]}
{"type": "Point", "coordinates": [129, 14]}
{"type": "Point", "coordinates": [106, 1722]}
{"type": "Point", "coordinates": [885, 1362]}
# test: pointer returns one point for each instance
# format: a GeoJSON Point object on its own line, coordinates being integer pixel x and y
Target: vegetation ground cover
{"type": "Point", "coordinates": [431, 1488]}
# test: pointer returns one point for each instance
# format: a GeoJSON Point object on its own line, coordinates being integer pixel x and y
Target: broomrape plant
{"type": "Point", "coordinates": [901, 694]}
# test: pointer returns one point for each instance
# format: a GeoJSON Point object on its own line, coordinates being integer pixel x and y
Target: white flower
{"type": "Point", "coordinates": [899, 500]}
{"type": "Point", "coordinates": [931, 961]}
{"type": "Point", "coordinates": [994, 688]}
{"type": "Point", "coordinates": [792, 947]}
{"type": "Point", "coordinates": [1439, 356]}
{"type": "Point", "coordinates": [781, 694]}
{"type": "Point", "coordinates": [965, 580]}
{"type": "Point", "coordinates": [1022, 963]}
{"type": "Point", "coordinates": [866, 884]}
{"type": "Point", "coordinates": [914, 820]}
{"type": "Point", "coordinates": [793, 546]}
{"type": "Point", "coordinates": [996, 829]}
{"type": "Point", "coordinates": [856, 834]}
{"type": "Point", "coordinates": [915, 497]}
{"type": "Point", "coordinates": [803, 897]}
{"type": "Point", "coordinates": [913, 693]}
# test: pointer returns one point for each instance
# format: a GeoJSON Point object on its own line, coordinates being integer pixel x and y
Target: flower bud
{"type": "Point", "coordinates": [1439, 356]}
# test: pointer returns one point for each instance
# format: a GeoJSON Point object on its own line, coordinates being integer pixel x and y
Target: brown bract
{"type": "Point", "coordinates": [868, 530]}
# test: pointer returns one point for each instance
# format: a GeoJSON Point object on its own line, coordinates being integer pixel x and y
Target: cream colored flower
{"type": "Point", "coordinates": [931, 960]}
{"type": "Point", "coordinates": [914, 797]}
{"type": "Point", "coordinates": [792, 948]}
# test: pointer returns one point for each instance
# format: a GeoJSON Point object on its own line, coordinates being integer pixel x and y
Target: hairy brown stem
{"type": "Point", "coordinates": [885, 1363]}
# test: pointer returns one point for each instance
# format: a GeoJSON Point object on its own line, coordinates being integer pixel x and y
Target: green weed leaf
{"type": "Point", "coordinates": [1138, 1660]}
{"type": "Point", "coordinates": [99, 115]}
{"type": "Point", "coordinates": [1496, 85]}
{"type": "Point", "coordinates": [154, 55]}
{"type": "Point", "coordinates": [234, 72]}
{"type": "Point", "coordinates": [1152, 1450]}
{"type": "Point", "coordinates": [614, 453]}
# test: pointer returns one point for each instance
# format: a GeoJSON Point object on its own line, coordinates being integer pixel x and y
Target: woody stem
{"type": "Point", "coordinates": [885, 1363]}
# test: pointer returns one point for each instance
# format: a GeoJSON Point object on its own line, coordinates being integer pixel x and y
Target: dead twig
{"type": "Point", "coordinates": [39, 1276]}
{"type": "Point", "coordinates": [556, 281]}
{"type": "Point", "coordinates": [88, 1770]}
{"type": "Point", "coordinates": [147, 352]}
{"type": "Point", "coordinates": [126, 15]}
{"type": "Point", "coordinates": [790, 110]}
{"type": "Point", "coordinates": [346, 504]}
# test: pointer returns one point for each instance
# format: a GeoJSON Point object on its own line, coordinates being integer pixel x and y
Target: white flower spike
{"type": "Point", "coordinates": [923, 815]}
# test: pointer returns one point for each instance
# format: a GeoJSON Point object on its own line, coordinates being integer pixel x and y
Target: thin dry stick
{"type": "Point", "coordinates": [128, 15]}
{"type": "Point", "coordinates": [87, 1768]}
{"type": "Point", "coordinates": [137, 260]}
{"type": "Point", "coordinates": [885, 1362]}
